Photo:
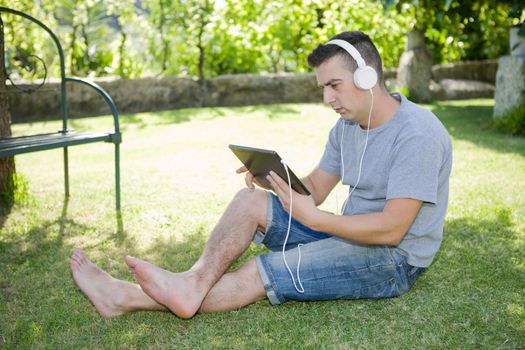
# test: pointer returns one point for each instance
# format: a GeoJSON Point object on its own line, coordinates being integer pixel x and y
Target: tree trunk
{"type": "Point", "coordinates": [415, 68]}
{"type": "Point", "coordinates": [200, 46]}
{"type": "Point", "coordinates": [122, 70]}
{"type": "Point", "coordinates": [165, 42]}
{"type": "Point", "coordinates": [7, 164]}
{"type": "Point", "coordinates": [204, 19]}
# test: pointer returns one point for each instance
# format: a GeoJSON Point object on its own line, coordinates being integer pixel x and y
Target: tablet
{"type": "Point", "coordinates": [261, 161]}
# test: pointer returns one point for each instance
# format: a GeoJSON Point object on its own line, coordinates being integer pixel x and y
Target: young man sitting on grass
{"type": "Point", "coordinates": [396, 159]}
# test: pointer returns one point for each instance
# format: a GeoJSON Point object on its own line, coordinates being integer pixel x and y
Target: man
{"type": "Point", "coordinates": [395, 156]}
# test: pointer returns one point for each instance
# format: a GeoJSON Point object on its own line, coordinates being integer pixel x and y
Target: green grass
{"type": "Point", "coordinates": [178, 176]}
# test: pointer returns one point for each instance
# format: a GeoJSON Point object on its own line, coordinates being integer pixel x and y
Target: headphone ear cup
{"type": "Point", "coordinates": [365, 78]}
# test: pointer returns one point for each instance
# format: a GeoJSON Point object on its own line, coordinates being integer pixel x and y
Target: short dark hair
{"type": "Point", "coordinates": [360, 41]}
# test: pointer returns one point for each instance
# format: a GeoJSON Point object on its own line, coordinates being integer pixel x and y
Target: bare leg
{"type": "Point", "coordinates": [110, 296]}
{"type": "Point", "coordinates": [184, 292]}
{"type": "Point", "coordinates": [235, 290]}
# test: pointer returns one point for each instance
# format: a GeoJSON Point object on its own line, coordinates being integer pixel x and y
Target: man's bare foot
{"type": "Point", "coordinates": [179, 292]}
{"type": "Point", "coordinates": [105, 292]}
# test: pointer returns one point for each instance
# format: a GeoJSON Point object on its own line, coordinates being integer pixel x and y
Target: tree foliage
{"type": "Point", "coordinates": [205, 38]}
{"type": "Point", "coordinates": [460, 29]}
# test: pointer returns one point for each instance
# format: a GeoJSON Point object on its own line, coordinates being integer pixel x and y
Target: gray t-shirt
{"type": "Point", "coordinates": [410, 156]}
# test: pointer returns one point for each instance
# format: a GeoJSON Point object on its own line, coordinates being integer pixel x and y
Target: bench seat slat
{"type": "Point", "coordinates": [24, 144]}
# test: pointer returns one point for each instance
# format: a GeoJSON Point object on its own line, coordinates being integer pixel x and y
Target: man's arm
{"type": "Point", "coordinates": [320, 184]}
{"type": "Point", "coordinates": [384, 228]}
{"type": "Point", "coordinates": [387, 227]}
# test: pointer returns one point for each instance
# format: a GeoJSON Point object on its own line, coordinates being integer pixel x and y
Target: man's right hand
{"type": "Point", "coordinates": [250, 179]}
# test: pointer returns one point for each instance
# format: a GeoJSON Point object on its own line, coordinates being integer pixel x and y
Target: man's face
{"type": "Point", "coordinates": [340, 92]}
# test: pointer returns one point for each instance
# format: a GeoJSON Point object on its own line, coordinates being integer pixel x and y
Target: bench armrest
{"type": "Point", "coordinates": [106, 98]}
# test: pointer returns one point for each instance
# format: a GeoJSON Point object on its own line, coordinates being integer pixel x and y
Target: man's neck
{"type": "Point", "coordinates": [385, 106]}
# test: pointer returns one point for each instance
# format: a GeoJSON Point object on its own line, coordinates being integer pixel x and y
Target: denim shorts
{"type": "Point", "coordinates": [331, 267]}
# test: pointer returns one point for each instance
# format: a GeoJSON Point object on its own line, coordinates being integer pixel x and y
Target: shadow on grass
{"type": "Point", "coordinates": [178, 116]}
{"type": "Point", "coordinates": [480, 268]}
{"type": "Point", "coordinates": [39, 243]}
{"type": "Point", "coordinates": [475, 278]}
{"type": "Point", "coordinates": [120, 236]}
{"type": "Point", "coordinates": [469, 123]}
{"type": "Point", "coordinates": [484, 245]}
{"type": "Point", "coordinates": [276, 111]}
{"type": "Point", "coordinates": [179, 254]}
{"type": "Point", "coordinates": [5, 209]}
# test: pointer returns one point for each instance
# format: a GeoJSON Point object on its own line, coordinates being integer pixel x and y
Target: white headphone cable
{"type": "Point", "coordinates": [362, 155]}
{"type": "Point", "coordinates": [299, 289]}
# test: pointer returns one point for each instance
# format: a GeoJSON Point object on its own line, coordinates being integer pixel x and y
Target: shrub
{"type": "Point", "coordinates": [18, 192]}
{"type": "Point", "coordinates": [512, 122]}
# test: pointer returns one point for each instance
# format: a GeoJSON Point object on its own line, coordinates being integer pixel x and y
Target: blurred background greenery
{"type": "Point", "coordinates": [205, 38]}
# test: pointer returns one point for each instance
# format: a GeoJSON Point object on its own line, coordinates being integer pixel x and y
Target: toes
{"type": "Point", "coordinates": [77, 251]}
{"type": "Point", "coordinates": [73, 264]}
{"type": "Point", "coordinates": [131, 261]}
{"type": "Point", "coordinates": [76, 259]}
{"type": "Point", "coordinates": [78, 255]}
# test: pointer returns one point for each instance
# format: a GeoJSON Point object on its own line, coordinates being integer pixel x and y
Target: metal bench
{"type": "Point", "coordinates": [64, 138]}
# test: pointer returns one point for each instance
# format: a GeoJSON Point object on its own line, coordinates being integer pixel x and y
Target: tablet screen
{"type": "Point", "coordinates": [261, 161]}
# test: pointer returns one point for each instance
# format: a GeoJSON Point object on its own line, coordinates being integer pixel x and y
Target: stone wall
{"type": "Point", "coordinates": [154, 94]}
{"type": "Point", "coordinates": [484, 71]}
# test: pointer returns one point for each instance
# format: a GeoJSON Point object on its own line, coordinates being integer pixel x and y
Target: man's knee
{"type": "Point", "coordinates": [253, 203]}
{"type": "Point", "coordinates": [250, 273]}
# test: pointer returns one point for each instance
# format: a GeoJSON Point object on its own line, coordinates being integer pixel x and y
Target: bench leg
{"type": "Point", "coordinates": [66, 172]}
{"type": "Point", "coordinates": [117, 175]}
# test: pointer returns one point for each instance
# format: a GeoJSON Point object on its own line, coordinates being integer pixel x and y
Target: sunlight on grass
{"type": "Point", "coordinates": [178, 175]}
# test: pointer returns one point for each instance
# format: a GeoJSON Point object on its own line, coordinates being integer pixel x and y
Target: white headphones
{"type": "Point", "coordinates": [365, 77]}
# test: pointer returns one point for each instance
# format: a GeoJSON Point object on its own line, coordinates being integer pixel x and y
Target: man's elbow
{"type": "Point", "coordinates": [398, 215]}
{"type": "Point", "coordinates": [395, 237]}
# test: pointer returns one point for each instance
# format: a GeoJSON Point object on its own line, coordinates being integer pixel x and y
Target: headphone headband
{"type": "Point", "coordinates": [350, 49]}
{"type": "Point", "coordinates": [365, 77]}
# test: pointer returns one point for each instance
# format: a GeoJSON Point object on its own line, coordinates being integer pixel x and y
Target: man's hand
{"type": "Point", "coordinates": [250, 179]}
{"type": "Point", "coordinates": [303, 209]}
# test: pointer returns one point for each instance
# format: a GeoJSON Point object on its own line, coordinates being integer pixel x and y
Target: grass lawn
{"type": "Point", "coordinates": [178, 176]}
